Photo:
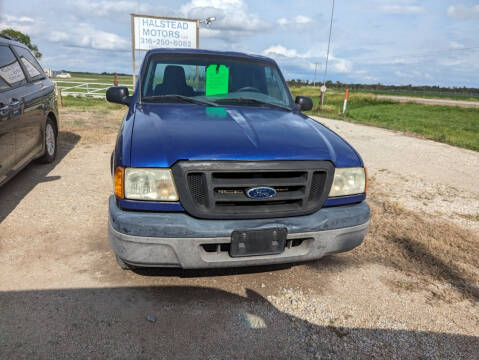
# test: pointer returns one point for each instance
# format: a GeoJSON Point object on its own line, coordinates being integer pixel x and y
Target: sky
{"type": "Point", "coordinates": [419, 42]}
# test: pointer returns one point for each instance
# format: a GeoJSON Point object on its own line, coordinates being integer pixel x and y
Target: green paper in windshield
{"type": "Point", "coordinates": [217, 77]}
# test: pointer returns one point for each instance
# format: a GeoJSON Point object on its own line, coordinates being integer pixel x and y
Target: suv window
{"type": "Point", "coordinates": [11, 74]}
{"type": "Point", "coordinates": [31, 64]}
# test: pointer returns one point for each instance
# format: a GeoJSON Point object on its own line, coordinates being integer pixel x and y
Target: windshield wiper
{"type": "Point", "coordinates": [254, 101]}
{"type": "Point", "coordinates": [179, 97]}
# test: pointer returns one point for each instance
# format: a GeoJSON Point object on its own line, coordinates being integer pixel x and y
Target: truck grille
{"type": "Point", "coordinates": [217, 190]}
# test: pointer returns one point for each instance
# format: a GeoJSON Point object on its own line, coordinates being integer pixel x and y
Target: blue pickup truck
{"type": "Point", "coordinates": [216, 166]}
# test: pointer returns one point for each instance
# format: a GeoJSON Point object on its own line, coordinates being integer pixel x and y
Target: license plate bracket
{"type": "Point", "coordinates": [258, 242]}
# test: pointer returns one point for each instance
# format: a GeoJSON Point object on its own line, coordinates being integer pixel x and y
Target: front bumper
{"type": "Point", "coordinates": [177, 239]}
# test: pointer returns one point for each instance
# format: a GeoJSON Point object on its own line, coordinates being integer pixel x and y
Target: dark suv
{"type": "Point", "coordinates": [28, 110]}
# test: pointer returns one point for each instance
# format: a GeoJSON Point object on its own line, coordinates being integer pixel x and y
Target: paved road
{"type": "Point", "coordinates": [444, 102]}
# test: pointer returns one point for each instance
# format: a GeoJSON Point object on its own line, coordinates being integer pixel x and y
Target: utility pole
{"type": "Point", "coordinates": [315, 71]}
{"type": "Point", "coordinates": [329, 44]}
{"type": "Point", "coordinates": [327, 56]}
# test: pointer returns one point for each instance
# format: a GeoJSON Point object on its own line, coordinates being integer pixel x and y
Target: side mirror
{"type": "Point", "coordinates": [119, 95]}
{"type": "Point", "coordinates": [305, 103]}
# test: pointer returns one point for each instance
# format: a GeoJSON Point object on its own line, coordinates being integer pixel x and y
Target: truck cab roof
{"type": "Point", "coordinates": [209, 52]}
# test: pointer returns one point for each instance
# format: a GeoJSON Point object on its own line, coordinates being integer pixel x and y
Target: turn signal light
{"type": "Point", "coordinates": [119, 182]}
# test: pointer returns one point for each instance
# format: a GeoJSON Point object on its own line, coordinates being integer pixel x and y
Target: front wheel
{"type": "Point", "coordinates": [50, 143]}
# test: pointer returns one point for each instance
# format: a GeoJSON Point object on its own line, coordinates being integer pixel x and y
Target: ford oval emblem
{"type": "Point", "coordinates": [262, 192]}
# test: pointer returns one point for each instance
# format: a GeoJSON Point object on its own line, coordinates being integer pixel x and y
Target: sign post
{"type": "Point", "coordinates": [132, 21]}
{"type": "Point", "coordinates": [150, 32]}
{"type": "Point", "coordinates": [323, 91]}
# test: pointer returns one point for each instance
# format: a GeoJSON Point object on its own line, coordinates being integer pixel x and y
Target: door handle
{"type": "Point", "coordinates": [15, 103]}
{"type": "Point", "coordinates": [4, 110]}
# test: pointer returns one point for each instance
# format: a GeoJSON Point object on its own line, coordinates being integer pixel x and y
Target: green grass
{"type": "Point", "coordinates": [89, 104]}
{"type": "Point", "coordinates": [451, 125]}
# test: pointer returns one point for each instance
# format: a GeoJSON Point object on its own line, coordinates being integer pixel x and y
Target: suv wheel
{"type": "Point", "coordinates": [50, 139]}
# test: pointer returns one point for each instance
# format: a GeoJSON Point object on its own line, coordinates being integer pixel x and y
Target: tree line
{"type": "Point", "coordinates": [383, 87]}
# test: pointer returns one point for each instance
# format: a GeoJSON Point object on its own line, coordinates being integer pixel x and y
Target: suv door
{"type": "Point", "coordinates": [29, 132]}
{"type": "Point", "coordinates": [12, 79]}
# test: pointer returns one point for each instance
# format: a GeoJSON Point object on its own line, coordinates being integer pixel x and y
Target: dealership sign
{"type": "Point", "coordinates": [150, 32]}
{"type": "Point", "coordinates": [156, 32]}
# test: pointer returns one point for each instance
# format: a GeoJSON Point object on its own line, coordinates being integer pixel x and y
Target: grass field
{"type": "Point", "coordinates": [451, 125]}
{"type": "Point", "coordinates": [89, 104]}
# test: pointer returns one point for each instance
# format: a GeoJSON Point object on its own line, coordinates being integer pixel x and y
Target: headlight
{"type": "Point", "coordinates": [150, 184]}
{"type": "Point", "coordinates": [348, 181]}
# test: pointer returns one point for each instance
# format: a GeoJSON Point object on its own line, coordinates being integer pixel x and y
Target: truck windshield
{"type": "Point", "coordinates": [210, 80]}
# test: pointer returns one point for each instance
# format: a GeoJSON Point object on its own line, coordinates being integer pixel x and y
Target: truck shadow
{"type": "Point", "coordinates": [185, 322]}
{"type": "Point", "coordinates": [186, 273]}
{"type": "Point", "coordinates": [12, 193]}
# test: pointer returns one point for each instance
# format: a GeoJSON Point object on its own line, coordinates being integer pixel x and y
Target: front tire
{"type": "Point", "coordinates": [50, 143]}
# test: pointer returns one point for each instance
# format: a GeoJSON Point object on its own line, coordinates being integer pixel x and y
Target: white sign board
{"type": "Point", "coordinates": [151, 32]}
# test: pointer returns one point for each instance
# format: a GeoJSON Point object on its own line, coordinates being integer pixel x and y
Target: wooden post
{"type": "Point", "coordinates": [132, 20]}
{"type": "Point", "coordinates": [115, 79]}
{"type": "Point", "coordinates": [197, 46]}
{"type": "Point", "coordinates": [59, 98]}
{"type": "Point", "coordinates": [197, 34]}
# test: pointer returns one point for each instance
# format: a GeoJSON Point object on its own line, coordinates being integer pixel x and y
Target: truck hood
{"type": "Point", "coordinates": [165, 133]}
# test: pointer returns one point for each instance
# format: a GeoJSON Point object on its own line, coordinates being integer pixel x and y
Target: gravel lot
{"type": "Point", "coordinates": [443, 102]}
{"type": "Point", "coordinates": [62, 294]}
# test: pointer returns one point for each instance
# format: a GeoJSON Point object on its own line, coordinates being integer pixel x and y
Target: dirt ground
{"type": "Point", "coordinates": [410, 291]}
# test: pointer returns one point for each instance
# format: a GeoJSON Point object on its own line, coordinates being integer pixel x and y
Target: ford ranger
{"type": "Point", "coordinates": [215, 165]}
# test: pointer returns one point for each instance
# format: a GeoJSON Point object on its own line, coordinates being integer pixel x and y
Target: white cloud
{"type": "Point", "coordinates": [86, 36]}
{"type": "Point", "coordinates": [299, 20]}
{"type": "Point", "coordinates": [57, 36]}
{"type": "Point", "coordinates": [109, 7]}
{"type": "Point", "coordinates": [280, 50]}
{"type": "Point", "coordinates": [414, 74]}
{"type": "Point", "coordinates": [402, 9]}
{"type": "Point", "coordinates": [461, 12]}
{"type": "Point", "coordinates": [231, 15]}
{"type": "Point", "coordinates": [24, 24]}
{"type": "Point", "coordinates": [456, 45]}
{"type": "Point", "coordinates": [307, 60]}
